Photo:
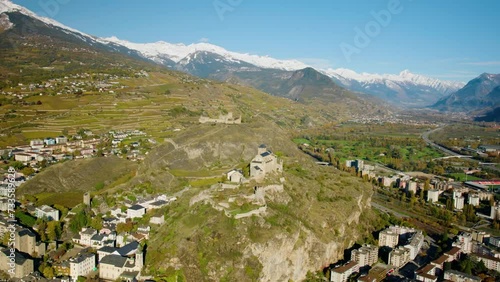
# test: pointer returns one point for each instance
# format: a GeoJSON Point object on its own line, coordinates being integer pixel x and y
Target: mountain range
{"type": "Point", "coordinates": [286, 78]}
{"type": "Point", "coordinates": [480, 95]}
{"type": "Point", "coordinates": [404, 89]}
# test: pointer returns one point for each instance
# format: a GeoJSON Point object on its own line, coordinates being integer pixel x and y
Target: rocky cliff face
{"type": "Point", "coordinates": [287, 258]}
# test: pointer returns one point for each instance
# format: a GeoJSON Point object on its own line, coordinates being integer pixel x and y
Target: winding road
{"type": "Point", "coordinates": [425, 136]}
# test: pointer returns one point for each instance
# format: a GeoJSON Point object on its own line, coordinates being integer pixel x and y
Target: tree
{"type": "Point", "coordinates": [427, 184]}
{"type": "Point", "coordinates": [27, 171]}
{"type": "Point", "coordinates": [124, 227]}
{"type": "Point", "coordinates": [79, 220]}
{"type": "Point", "coordinates": [42, 227]}
{"type": "Point", "coordinates": [480, 267]}
{"type": "Point", "coordinates": [48, 272]}
{"type": "Point", "coordinates": [54, 230]}
{"type": "Point", "coordinates": [96, 222]}
{"type": "Point", "coordinates": [449, 204]}
{"type": "Point", "coordinates": [466, 266]}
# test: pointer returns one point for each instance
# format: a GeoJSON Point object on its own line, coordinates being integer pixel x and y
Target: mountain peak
{"type": "Point", "coordinates": [405, 73]}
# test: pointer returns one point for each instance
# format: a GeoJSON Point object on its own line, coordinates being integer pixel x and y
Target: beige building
{"type": "Point", "coordinates": [342, 273]}
{"type": "Point", "coordinates": [388, 238]}
{"type": "Point", "coordinates": [263, 163]}
{"type": "Point", "coordinates": [25, 241]}
{"type": "Point", "coordinates": [399, 257]}
{"type": "Point", "coordinates": [456, 276]}
{"type": "Point", "coordinates": [366, 255]}
{"type": "Point", "coordinates": [17, 267]}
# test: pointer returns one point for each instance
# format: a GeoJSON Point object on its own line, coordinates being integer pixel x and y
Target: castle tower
{"type": "Point", "coordinates": [139, 260]}
{"type": "Point", "coordinates": [86, 198]}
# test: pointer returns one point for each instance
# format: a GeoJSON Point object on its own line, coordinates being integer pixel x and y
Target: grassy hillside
{"type": "Point", "coordinates": [320, 212]}
{"type": "Point", "coordinates": [73, 178]}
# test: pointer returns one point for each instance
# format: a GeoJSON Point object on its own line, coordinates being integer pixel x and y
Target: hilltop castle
{"type": "Point", "coordinates": [263, 163]}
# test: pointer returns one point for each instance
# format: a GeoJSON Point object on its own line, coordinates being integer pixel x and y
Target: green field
{"type": "Point", "coordinates": [463, 177]}
{"type": "Point", "coordinates": [376, 143]}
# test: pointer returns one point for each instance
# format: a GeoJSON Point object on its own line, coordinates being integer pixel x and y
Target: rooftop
{"type": "Point", "coordinates": [136, 207]}
{"type": "Point", "coordinates": [115, 260]}
{"type": "Point", "coordinates": [82, 257]}
{"type": "Point", "coordinates": [345, 267]}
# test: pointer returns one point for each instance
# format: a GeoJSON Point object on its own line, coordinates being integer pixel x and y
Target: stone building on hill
{"type": "Point", "coordinates": [265, 162]}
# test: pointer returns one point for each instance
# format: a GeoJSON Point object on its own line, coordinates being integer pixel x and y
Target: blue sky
{"type": "Point", "coordinates": [446, 39]}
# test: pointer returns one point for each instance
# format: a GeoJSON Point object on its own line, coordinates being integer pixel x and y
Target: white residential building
{"type": "Point", "coordinates": [342, 273]}
{"type": "Point", "coordinates": [82, 265]}
{"type": "Point", "coordinates": [458, 203]}
{"type": "Point", "coordinates": [388, 238]}
{"type": "Point", "coordinates": [474, 200]}
{"type": "Point", "coordinates": [136, 211]}
{"type": "Point", "coordinates": [456, 276]}
{"type": "Point", "coordinates": [61, 140]}
{"type": "Point", "coordinates": [157, 219]}
{"type": "Point", "coordinates": [47, 212]}
{"type": "Point", "coordinates": [464, 242]}
{"type": "Point", "coordinates": [433, 196]}
{"type": "Point", "coordinates": [84, 237]}
{"type": "Point", "coordinates": [366, 255]}
{"type": "Point", "coordinates": [235, 176]}
{"type": "Point", "coordinates": [399, 257]}
{"type": "Point", "coordinates": [489, 261]}
{"type": "Point", "coordinates": [416, 243]}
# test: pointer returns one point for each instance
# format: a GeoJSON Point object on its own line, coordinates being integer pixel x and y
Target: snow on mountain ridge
{"type": "Point", "coordinates": [8, 6]}
{"type": "Point", "coordinates": [177, 52]}
{"type": "Point", "coordinates": [405, 76]}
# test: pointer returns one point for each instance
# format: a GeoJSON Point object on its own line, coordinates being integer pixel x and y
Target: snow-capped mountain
{"type": "Point", "coordinates": [177, 52]}
{"type": "Point", "coordinates": [7, 6]}
{"type": "Point", "coordinates": [404, 88]}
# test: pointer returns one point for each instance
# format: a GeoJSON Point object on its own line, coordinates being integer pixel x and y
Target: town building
{"type": "Point", "coordinates": [47, 213]}
{"type": "Point", "coordinates": [61, 140]}
{"type": "Point", "coordinates": [458, 203]}
{"type": "Point", "coordinates": [464, 242]}
{"type": "Point", "coordinates": [25, 241]}
{"type": "Point", "coordinates": [399, 257]}
{"type": "Point", "coordinates": [433, 196]}
{"type": "Point", "coordinates": [23, 265]}
{"type": "Point", "coordinates": [388, 238]}
{"type": "Point", "coordinates": [127, 261]}
{"type": "Point", "coordinates": [474, 200]}
{"type": "Point", "coordinates": [82, 265]}
{"type": "Point", "coordinates": [457, 276]}
{"type": "Point", "coordinates": [366, 255]}
{"type": "Point", "coordinates": [157, 219]}
{"type": "Point", "coordinates": [235, 176]}
{"type": "Point", "coordinates": [84, 237]}
{"type": "Point", "coordinates": [489, 261]}
{"type": "Point", "coordinates": [416, 243]}
{"type": "Point", "coordinates": [136, 211]}
{"type": "Point", "coordinates": [426, 274]}
{"type": "Point", "coordinates": [342, 273]}
{"type": "Point", "coordinates": [411, 186]}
